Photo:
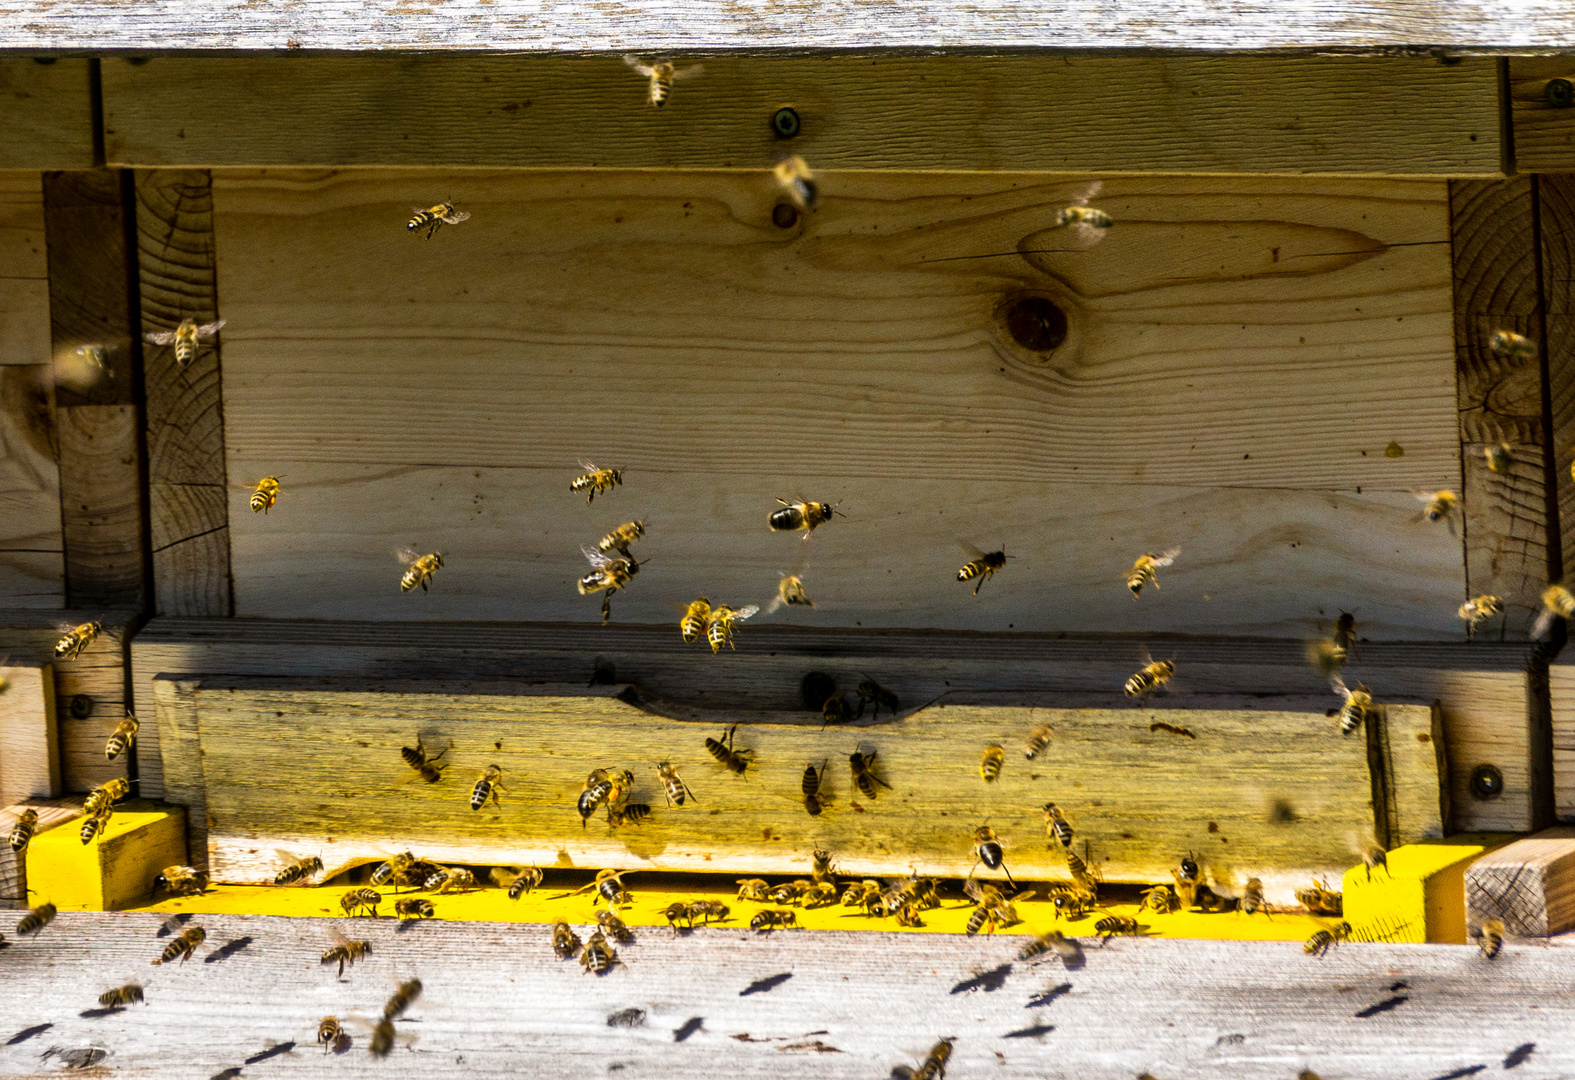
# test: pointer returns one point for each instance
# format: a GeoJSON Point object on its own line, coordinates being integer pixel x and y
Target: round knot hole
{"type": "Point", "coordinates": [1036, 323]}
{"type": "Point", "coordinates": [1487, 782]}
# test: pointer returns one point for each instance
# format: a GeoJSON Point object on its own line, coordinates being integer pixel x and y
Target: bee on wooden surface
{"type": "Point", "coordinates": [752, 889]}
{"type": "Point", "coordinates": [1499, 458]}
{"type": "Point", "coordinates": [105, 795]}
{"type": "Point", "coordinates": [1324, 940]}
{"type": "Point", "coordinates": [299, 871]}
{"type": "Point", "coordinates": [1490, 938]}
{"type": "Point", "coordinates": [820, 865]}
{"type": "Point", "coordinates": [425, 766]}
{"type": "Point", "coordinates": [819, 894]}
{"type": "Point", "coordinates": [1508, 345]}
{"type": "Point", "coordinates": [789, 892]}
{"type": "Point", "coordinates": [565, 942]}
{"type": "Point", "coordinates": [35, 920]}
{"type": "Point", "coordinates": [627, 814]}
{"type": "Point", "coordinates": [1161, 899]}
{"type": "Point", "coordinates": [598, 788]}
{"type": "Point", "coordinates": [419, 569]}
{"type": "Point", "coordinates": [1087, 224]}
{"type": "Point", "coordinates": [614, 927]}
{"type": "Point", "coordinates": [594, 481]}
{"type": "Point", "coordinates": [488, 784]}
{"type": "Point", "coordinates": [862, 766]}
{"type": "Point", "coordinates": [696, 617]}
{"type": "Point", "coordinates": [1111, 925]}
{"type": "Point", "coordinates": [773, 920]}
{"type": "Point", "coordinates": [598, 956]}
{"type": "Point", "coordinates": [76, 639]}
{"type": "Point", "coordinates": [933, 1067]}
{"type": "Point", "coordinates": [731, 759]}
{"type": "Point", "coordinates": [1374, 857]}
{"type": "Point", "coordinates": [790, 593]}
{"type": "Point", "coordinates": [451, 879]}
{"type": "Point", "coordinates": [1477, 609]}
{"type": "Point", "coordinates": [678, 911]}
{"type": "Point", "coordinates": [1441, 506]}
{"type": "Point", "coordinates": [1358, 704]}
{"type": "Point", "coordinates": [1155, 673]}
{"type": "Point", "coordinates": [401, 999]}
{"type": "Point", "coordinates": [1557, 602]}
{"type": "Point", "coordinates": [1038, 739]}
{"type": "Point", "coordinates": [977, 920]}
{"type": "Point", "coordinates": [607, 576]}
{"type": "Point", "coordinates": [1082, 877]}
{"type": "Point", "coordinates": [344, 951]}
{"type": "Point", "coordinates": [1053, 942]}
{"type": "Point", "coordinates": [793, 175]}
{"type": "Point", "coordinates": [181, 881]}
{"type": "Point", "coordinates": [361, 899]}
{"type": "Point", "coordinates": [433, 218]}
{"type": "Point", "coordinates": [621, 537]}
{"type": "Point", "coordinates": [809, 784]}
{"type": "Point", "coordinates": [990, 763]}
{"type": "Point", "coordinates": [517, 882]}
{"type": "Point", "coordinates": [182, 946]}
{"type": "Point", "coordinates": [266, 495]}
{"type": "Point", "coordinates": [1186, 881]}
{"type": "Point", "coordinates": [707, 911]}
{"type": "Point", "coordinates": [989, 851]}
{"type": "Point", "coordinates": [662, 74]}
{"type": "Point", "coordinates": [414, 907]}
{"type": "Point", "coordinates": [719, 627]}
{"type": "Point", "coordinates": [1251, 900]}
{"type": "Point", "coordinates": [677, 791]}
{"type": "Point", "coordinates": [96, 825]}
{"type": "Point", "coordinates": [1320, 899]}
{"type": "Point", "coordinates": [835, 711]}
{"type": "Point", "coordinates": [1057, 826]}
{"type": "Point", "coordinates": [124, 736]}
{"type": "Point", "coordinates": [801, 515]}
{"type": "Point", "coordinates": [859, 893]}
{"type": "Point", "coordinates": [329, 1033]}
{"type": "Point", "coordinates": [872, 692]}
{"type": "Point", "coordinates": [1142, 572]}
{"type": "Point", "coordinates": [22, 831]}
{"type": "Point", "coordinates": [121, 996]}
{"type": "Point", "coordinates": [983, 565]}
{"type": "Point", "coordinates": [187, 337]}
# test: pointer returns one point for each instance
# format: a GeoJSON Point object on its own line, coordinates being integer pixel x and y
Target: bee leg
{"type": "Point", "coordinates": [979, 586]}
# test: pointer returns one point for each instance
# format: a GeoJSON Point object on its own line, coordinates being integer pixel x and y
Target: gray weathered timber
{"type": "Point", "coordinates": [533, 26]}
{"type": "Point", "coordinates": [496, 1002]}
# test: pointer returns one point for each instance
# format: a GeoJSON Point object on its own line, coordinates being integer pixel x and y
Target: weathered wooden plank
{"type": "Point", "coordinates": [24, 300]}
{"type": "Point", "coordinates": [1528, 885]}
{"type": "Point", "coordinates": [1561, 698]}
{"type": "Point", "coordinates": [1543, 120]}
{"type": "Point", "coordinates": [29, 750]}
{"type": "Point", "coordinates": [32, 551]}
{"type": "Point", "coordinates": [1556, 209]}
{"type": "Point", "coordinates": [186, 480]}
{"type": "Point", "coordinates": [1393, 115]}
{"type": "Point", "coordinates": [48, 119]}
{"type": "Point", "coordinates": [179, 743]}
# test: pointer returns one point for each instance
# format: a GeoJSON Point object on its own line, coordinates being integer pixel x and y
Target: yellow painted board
{"type": "Point", "coordinates": [116, 869]}
{"type": "Point", "coordinates": [1422, 895]}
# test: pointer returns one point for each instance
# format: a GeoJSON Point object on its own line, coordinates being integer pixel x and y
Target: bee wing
{"type": "Point", "coordinates": [1084, 235]}
{"type": "Point", "coordinates": [638, 65]}
{"type": "Point", "coordinates": [1339, 687]}
{"type": "Point", "coordinates": [456, 217]}
{"type": "Point", "coordinates": [407, 555]}
{"type": "Point", "coordinates": [1167, 557]}
{"type": "Point", "coordinates": [773, 604]}
{"type": "Point", "coordinates": [596, 558]}
{"type": "Point", "coordinates": [972, 552]}
{"type": "Point", "coordinates": [209, 329]}
{"type": "Point", "coordinates": [337, 937]}
{"type": "Point", "coordinates": [1543, 624]}
{"type": "Point", "coordinates": [587, 466]}
{"type": "Point", "coordinates": [746, 612]}
{"type": "Point", "coordinates": [688, 72]}
{"type": "Point", "coordinates": [160, 337]}
{"type": "Point", "coordinates": [1087, 192]}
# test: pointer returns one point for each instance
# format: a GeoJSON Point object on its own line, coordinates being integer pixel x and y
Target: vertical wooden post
{"type": "Point", "coordinates": [187, 498]}
{"type": "Point", "coordinates": [1556, 208]}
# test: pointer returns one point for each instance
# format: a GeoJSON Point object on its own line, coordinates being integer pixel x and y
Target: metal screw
{"type": "Point", "coordinates": [784, 215]}
{"type": "Point", "coordinates": [785, 123]}
{"type": "Point", "coordinates": [1036, 323]}
{"type": "Point", "coordinates": [1487, 782]}
{"type": "Point", "coordinates": [1560, 93]}
{"type": "Point", "coordinates": [81, 706]}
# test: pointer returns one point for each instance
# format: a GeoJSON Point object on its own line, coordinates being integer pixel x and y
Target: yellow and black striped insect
{"type": "Point", "coordinates": [862, 766]}
{"type": "Point", "coordinates": [608, 575]}
{"type": "Point", "coordinates": [361, 900]}
{"type": "Point", "coordinates": [299, 871]}
{"type": "Point", "coordinates": [180, 881]}
{"type": "Point", "coordinates": [565, 942]}
{"type": "Point", "coordinates": [1055, 942]}
{"type": "Point", "coordinates": [594, 481]}
{"type": "Point", "coordinates": [1477, 609]}
{"type": "Point", "coordinates": [1142, 572]}
{"type": "Point", "coordinates": [983, 565]}
{"type": "Point", "coordinates": [673, 784]}
{"type": "Point", "coordinates": [621, 537]}
{"type": "Point", "coordinates": [810, 786]}
{"type": "Point", "coordinates": [450, 879]}
{"type": "Point", "coordinates": [730, 758]}
{"type": "Point", "coordinates": [662, 74]}
{"type": "Point", "coordinates": [76, 639]}
{"type": "Point", "coordinates": [719, 627]}
{"type": "Point", "coordinates": [1508, 345]}
{"type": "Point", "coordinates": [1490, 938]}
{"type": "Point", "coordinates": [122, 739]}
{"type": "Point", "coordinates": [1038, 739]}
{"type": "Point", "coordinates": [1087, 224]}
{"type": "Point", "coordinates": [1557, 602]}
{"type": "Point", "coordinates": [1155, 673]}
{"type": "Point", "coordinates": [266, 495]}
{"type": "Point", "coordinates": [793, 175]}
{"type": "Point", "coordinates": [95, 825]}
{"type": "Point", "coordinates": [1319, 899]}
{"type": "Point", "coordinates": [1112, 925]}
{"type": "Point", "coordinates": [329, 1033]}
{"type": "Point", "coordinates": [628, 814]}
{"type": "Point", "coordinates": [990, 763]}
{"type": "Point", "coordinates": [1358, 703]}
{"type": "Point", "coordinates": [873, 693]}
{"type": "Point", "coordinates": [598, 956]}
{"type": "Point", "coordinates": [22, 831]}
{"type": "Point", "coordinates": [934, 1065]}
{"type": "Point", "coordinates": [432, 218]}
{"type": "Point", "coordinates": [488, 784]}
{"type": "Point", "coordinates": [834, 711]}
{"type": "Point", "coordinates": [790, 593]}
{"type": "Point", "coordinates": [121, 996]}
{"type": "Point", "coordinates": [419, 569]}
{"type": "Point", "coordinates": [597, 790]}
{"type": "Point", "coordinates": [517, 883]}
{"type": "Point", "coordinates": [614, 927]}
{"type": "Point", "coordinates": [426, 767]}
{"type": "Point", "coordinates": [401, 999]}
{"type": "Point", "coordinates": [344, 951]}
{"type": "Point", "coordinates": [186, 337]}
{"type": "Point", "coordinates": [1324, 940]}
{"type": "Point", "coordinates": [1373, 857]}
{"type": "Point", "coordinates": [35, 920]}
{"type": "Point", "coordinates": [773, 920]}
{"type": "Point", "coordinates": [1251, 900]}
{"type": "Point", "coordinates": [414, 907]}
{"type": "Point", "coordinates": [696, 616]}
{"type": "Point", "coordinates": [801, 516]}
{"type": "Point", "coordinates": [182, 946]}
{"type": "Point", "coordinates": [988, 850]}
{"type": "Point", "coordinates": [105, 795]}
{"type": "Point", "coordinates": [1057, 826]}
{"type": "Point", "coordinates": [1161, 899]}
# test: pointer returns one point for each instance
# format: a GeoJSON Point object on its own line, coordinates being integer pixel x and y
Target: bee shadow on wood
{"type": "Point", "coordinates": [988, 981]}
{"type": "Point", "coordinates": [227, 950]}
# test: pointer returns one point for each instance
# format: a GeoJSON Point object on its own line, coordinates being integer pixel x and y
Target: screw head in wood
{"type": "Point", "coordinates": [785, 123]}
{"type": "Point", "coordinates": [1036, 323]}
{"type": "Point", "coordinates": [784, 215]}
{"type": "Point", "coordinates": [81, 707]}
{"type": "Point", "coordinates": [1560, 93]}
{"type": "Point", "coordinates": [1487, 782]}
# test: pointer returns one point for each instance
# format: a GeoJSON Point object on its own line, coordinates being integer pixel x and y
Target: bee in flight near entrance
{"type": "Point", "coordinates": [790, 593]}
{"type": "Point", "coordinates": [990, 763]}
{"type": "Point", "coordinates": [76, 639]}
{"type": "Point", "coordinates": [719, 626]}
{"type": "Point", "coordinates": [662, 74]}
{"type": "Point", "coordinates": [607, 576]}
{"type": "Point", "coordinates": [517, 884]}
{"type": "Point", "coordinates": [36, 920]}
{"type": "Point", "coordinates": [186, 338]}
{"type": "Point", "coordinates": [124, 736]}
{"type": "Point", "coordinates": [121, 996]}
{"type": "Point", "coordinates": [801, 515]}
{"type": "Point", "coordinates": [1358, 703]}
{"type": "Point", "coordinates": [1155, 673]}
{"type": "Point", "coordinates": [180, 881]}
{"type": "Point", "coordinates": [1324, 940]}
{"type": "Point", "coordinates": [983, 565]}
{"type": "Point", "coordinates": [420, 569]}
{"type": "Point", "coordinates": [794, 177]}
{"type": "Point", "coordinates": [183, 946]}
{"type": "Point", "coordinates": [433, 218]}
{"type": "Point", "coordinates": [1142, 572]}
{"type": "Point", "coordinates": [1499, 456]}
{"type": "Point", "coordinates": [595, 481]}
{"type": "Point", "coordinates": [1508, 345]}
{"type": "Point", "coordinates": [620, 538]}
{"type": "Point", "coordinates": [1087, 224]}
{"type": "Point", "coordinates": [425, 766]}
{"type": "Point", "coordinates": [677, 790]}
{"type": "Point", "coordinates": [1557, 602]}
{"type": "Point", "coordinates": [1478, 609]}
{"type": "Point", "coordinates": [696, 616]}
{"type": "Point", "coordinates": [22, 832]}
{"type": "Point", "coordinates": [990, 852]}
{"type": "Point", "coordinates": [1441, 506]}
{"type": "Point", "coordinates": [722, 749]}
{"type": "Point", "coordinates": [299, 870]}
{"type": "Point", "coordinates": [1057, 826]}
{"type": "Point", "coordinates": [266, 495]}
{"type": "Point", "coordinates": [1490, 939]}
{"type": "Point", "coordinates": [344, 951]}
{"type": "Point", "coordinates": [1038, 739]}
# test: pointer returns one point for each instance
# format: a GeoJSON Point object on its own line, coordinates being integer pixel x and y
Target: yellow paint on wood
{"type": "Point", "coordinates": [113, 871]}
{"type": "Point", "coordinates": [1421, 896]}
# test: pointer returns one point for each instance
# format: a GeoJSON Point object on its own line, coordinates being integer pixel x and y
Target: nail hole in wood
{"type": "Point", "coordinates": [784, 215]}
{"type": "Point", "coordinates": [1487, 782]}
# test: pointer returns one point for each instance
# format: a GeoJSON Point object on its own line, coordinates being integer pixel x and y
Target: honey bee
{"type": "Point", "coordinates": [787, 893]}
{"type": "Point", "coordinates": [425, 766]}
{"type": "Point", "coordinates": [402, 999]}
{"type": "Point", "coordinates": [94, 360]}
{"type": "Point", "coordinates": [1086, 223]}
{"type": "Point", "coordinates": [1142, 572]}
{"type": "Point", "coordinates": [1038, 739]}
{"type": "Point", "coordinates": [96, 824]}
{"type": "Point", "coordinates": [752, 889]}
{"type": "Point", "coordinates": [361, 899]}
{"type": "Point", "coordinates": [125, 735]}
{"type": "Point", "coordinates": [1186, 881]}
{"type": "Point", "coordinates": [990, 764]}
{"type": "Point", "coordinates": [419, 569]}
{"type": "Point", "coordinates": [696, 617]}
{"type": "Point", "coordinates": [934, 1065]}
{"type": "Point", "coordinates": [182, 946]}
{"type": "Point", "coordinates": [863, 768]}
{"type": "Point", "coordinates": [662, 74]}
{"type": "Point", "coordinates": [1161, 899]}
{"type": "Point", "coordinates": [1326, 657]}
{"type": "Point", "coordinates": [790, 593]}
{"type": "Point", "coordinates": [1373, 857]}
{"type": "Point", "coordinates": [266, 495]}
{"type": "Point", "coordinates": [820, 865]}
{"type": "Point", "coordinates": [77, 639]}
{"type": "Point", "coordinates": [344, 951]}
{"type": "Point", "coordinates": [565, 942]}
{"type": "Point", "coordinates": [450, 879]}
{"type": "Point", "coordinates": [872, 692]}
{"type": "Point", "coordinates": [1557, 602]}
{"type": "Point", "coordinates": [801, 515]}
{"type": "Point", "coordinates": [810, 786]}
{"type": "Point", "coordinates": [1251, 901]}
{"type": "Point", "coordinates": [1345, 633]}
{"type": "Point", "coordinates": [598, 955]}
{"type": "Point", "coordinates": [121, 996]}
{"type": "Point", "coordinates": [1053, 942]}
{"type": "Point", "coordinates": [105, 795]}
{"type": "Point", "coordinates": [834, 711]}
{"type": "Point", "coordinates": [382, 1038]}
{"type": "Point", "coordinates": [517, 883]}
{"type": "Point", "coordinates": [186, 337]}
{"type": "Point", "coordinates": [989, 851]}
{"type": "Point", "coordinates": [1320, 899]}
{"type": "Point", "coordinates": [907, 916]}
{"type": "Point", "coordinates": [1490, 938]}
{"type": "Point", "coordinates": [1084, 880]}
{"type": "Point", "coordinates": [719, 627]}
{"type": "Point", "coordinates": [299, 871]}
{"type": "Point", "coordinates": [1477, 609]}
{"type": "Point", "coordinates": [433, 218]}
{"type": "Point", "coordinates": [1111, 925]}
{"type": "Point", "coordinates": [1499, 458]}
{"type": "Point", "coordinates": [678, 911]}
{"type": "Point", "coordinates": [820, 894]}
{"type": "Point", "coordinates": [488, 784]}
{"type": "Point", "coordinates": [1155, 673]}
{"type": "Point", "coordinates": [329, 1033]}
{"type": "Point", "coordinates": [673, 784]}
{"type": "Point", "coordinates": [607, 576]}
{"type": "Point", "coordinates": [794, 177]}
{"type": "Point", "coordinates": [708, 910]}
{"type": "Point", "coordinates": [1358, 704]}
{"type": "Point", "coordinates": [860, 894]}
{"type": "Point", "coordinates": [1057, 826]}
{"type": "Point", "coordinates": [1508, 345]}
{"type": "Point", "coordinates": [627, 814]}
{"type": "Point", "coordinates": [595, 481]}
{"type": "Point", "coordinates": [621, 537]}
{"type": "Point", "coordinates": [36, 920]}
{"type": "Point", "coordinates": [1323, 940]}
{"type": "Point", "coordinates": [731, 759]}
{"type": "Point", "coordinates": [1441, 506]}
{"type": "Point", "coordinates": [614, 927]}
{"type": "Point", "coordinates": [609, 887]}
{"type": "Point", "coordinates": [983, 566]}
{"type": "Point", "coordinates": [773, 920]}
{"type": "Point", "coordinates": [22, 831]}
{"type": "Point", "coordinates": [414, 907]}
{"type": "Point", "coordinates": [404, 869]}
{"type": "Point", "coordinates": [181, 881]}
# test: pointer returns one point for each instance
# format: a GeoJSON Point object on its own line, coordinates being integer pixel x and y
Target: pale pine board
{"type": "Point", "coordinates": [1241, 352]}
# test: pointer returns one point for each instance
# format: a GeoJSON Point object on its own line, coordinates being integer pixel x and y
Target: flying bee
{"type": "Point", "coordinates": [1557, 602]}
{"type": "Point", "coordinates": [790, 593]}
{"type": "Point", "coordinates": [425, 766]}
{"type": "Point", "coordinates": [1142, 572]}
{"type": "Point", "coordinates": [401, 999]}
{"type": "Point", "coordinates": [872, 692]}
{"type": "Point", "coordinates": [382, 1038]}
{"type": "Point", "coordinates": [662, 74]}
{"type": "Point", "coordinates": [983, 565]}
{"type": "Point", "coordinates": [518, 883]}
{"type": "Point", "coordinates": [810, 786]}
{"type": "Point", "coordinates": [91, 364]}
{"type": "Point", "coordinates": [1345, 633]}
{"type": "Point", "coordinates": [105, 795]}
{"type": "Point", "coordinates": [1112, 925]}
{"type": "Point", "coordinates": [1054, 942]}
{"type": "Point", "coordinates": [614, 927]}
{"type": "Point", "coordinates": [1038, 739]}
{"type": "Point", "coordinates": [22, 831]}
{"type": "Point", "coordinates": [344, 951]}
{"type": "Point", "coordinates": [1153, 675]}
{"type": "Point", "coordinates": [1490, 938]}
{"type": "Point", "coordinates": [1320, 899]}
{"type": "Point", "coordinates": [182, 946]}
{"type": "Point", "coordinates": [1499, 458]}
{"type": "Point", "coordinates": [266, 495]}
{"type": "Point", "coordinates": [565, 942]}
{"type": "Point", "coordinates": [731, 759]}
{"type": "Point", "coordinates": [696, 617]}
{"type": "Point", "coordinates": [1087, 224]}
{"type": "Point", "coordinates": [990, 764]}
{"type": "Point", "coordinates": [1325, 656]}
{"type": "Point", "coordinates": [1508, 345]}
{"type": "Point", "coordinates": [834, 711]}
{"type": "Point", "coordinates": [719, 627]}
{"type": "Point", "coordinates": [77, 638]}
{"type": "Point", "coordinates": [1251, 901]}
{"type": "Point", "coordinates": [414, 907]}
{"type": "Point", "coordinates": [595, 481]}
{"type": "Point", "coordinates": [989, 851]}
{"type": "Point", "coordinates": [433, 218]}
{"type": "Point", "coordinates": [1441, 506]}
{"type": "Point", "coordinates": [863, 768]}
{"type": "Point", "coordinates": [621, 537]}
{"type": "Point", "coordinates": [361, 899]}
{"type": "Point", "coordinates": [933, 1067]}
{"type": "Point", "coordinates": [1373, 857]}
{"type": "Point", "coordinates": [181, 881]}
{"type": "Point", "coordinates": [1057, 826]}
{"type": "Point", "coordinates": [752, 889]}
{"type": "Point", "coordinates": [125, 735]}
{"type": "Point", "coordinates": [1358, 704]}
{"type": "Point", "coordinates": [1325, 939]}
{"type": "Point", "coordinates": [794, 177]}
{"type": "Point", "coordinates": [1477, 609]}
{"type": "Point", "coordinates": [299, 871]}
{"type": "Point", "coordinates": [35, 920]}
{"type": "Point", "coordinates": [801, 515]}
{"type": "Point", "coordinates": [186, 337]}
{"type": "Point", "coordinates": [773, 920]}
{"type": "Point", "coordinates": [1161, 899]}
{"type": "Point", "coordinates": [419, 569]}
{"type": "Point", "coordinates": [96, 824]}
{"type": "Point", "coordinates": [608, 886]}
{"type": "Point", "coordinates": [598, 955]}
{"type": "Point", "coordinates": [451, 879]}
{"type": "Point", "coordinates": [488, 784]}
{"type": "Point", "coordinates": [677, 790]}
{"type": "Point", "coordinates": [607, 576]}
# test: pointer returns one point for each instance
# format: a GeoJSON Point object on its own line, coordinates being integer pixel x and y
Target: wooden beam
{"type": "Point", "coordinates": [29, 747]}
{"type": "Point", "coordinates": [1543, 119]}
{"type": "Point", "coordinates": [1394, 116]}
{"type": "Point", "coordinates": [188, 510]}
{"type": "Point", "coordinates": [48, 121]}
{"type": "Point", "coordinates": [13, 867]}
{"type": "Point", "coordinates": [1529, 885]}
{"type": "Point", "coordinates": [1556, 209]}
{"type": "Point", "coordinates": [24, 302]}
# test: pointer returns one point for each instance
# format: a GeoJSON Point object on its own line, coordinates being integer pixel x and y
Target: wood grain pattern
{"type": "Point", "coordinates": [1561, 697]}
{"type": "Point", "coordinates": [29, 747]}
{"type": "Point", "coordinates": [1185, 1008]}
{"type": "Point", "coordinates": [32, 550]}
{"type": "Point", "coordinates": [1544, 134]}
{"type": "Point", "coordinates": [1556, 207]}
{"type": "Point", "coordinates": [1528, 885]}
{"type": "Point", "coordinates": [662, 323]}
{"type": "Point", "coordinates": [24, 299]}
{"type": "Point", "coordinates": [1488, 709]}
{"type": "Point", "coordinates": [1393, 115]}
{"type": "Point", "coordinates": [13, 870]}
{"type": "Point", "coordinates": [48, 119]}
{"type": "Point", "coordinates": [188, 517]}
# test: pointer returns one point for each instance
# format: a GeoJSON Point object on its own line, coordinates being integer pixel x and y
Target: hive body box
{"type": "Point", "coordinates": [113, 871]}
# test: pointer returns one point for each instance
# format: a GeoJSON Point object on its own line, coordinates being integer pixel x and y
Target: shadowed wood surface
{"type": "Point", "coordinates": [48, 118]}
{"type": "Point", "coordinates": [29, 751]}
{"type": "Point", "coordinates": [1556, 206]}
{"type": "Point", "coordinates": [1393, 115]}
{"type": "Point", "coordinates": [852, 1006]}
{"type": "Point", "coordinates": [24, 299]}
{"type": "Point", "coordinates": [1561, 697]}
